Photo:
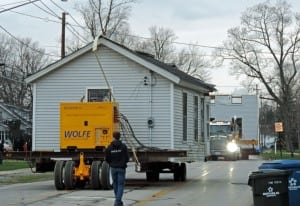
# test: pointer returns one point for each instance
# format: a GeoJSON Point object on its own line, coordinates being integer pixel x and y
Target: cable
{"type": "Point", "coordinates": [77, 34]}
{"type": "Point", "coordinates": [78, 24]}
{"type": "Point", "coordinates": [36, 17]}
{"type": "Point", "coordinates": [27, 2]}
{"type": "Point", "coordinates": [21, 42]}
{"type": "Point", "coordinates": [50, 13]}
{"type": "Point", "coordinates": [18, 2]}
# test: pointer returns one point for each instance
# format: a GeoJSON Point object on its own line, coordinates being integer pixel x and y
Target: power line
{"type": "Point", "coordinates": [79, 25]}
{"type": "Point", "coordinates": [28, 2]}
{"type": "Point", "coordinates": [76, 22]}
{"type": "Point", "coordinates": [37, 17]}
{"type": "Point", "coordinates": [8, 4]}
{"type": "Point", "coordinates": [21, 42]}
{"type": "Point", "coordinates": [77, 34]}
{"type": "Point", "coordinates": [50, 13]}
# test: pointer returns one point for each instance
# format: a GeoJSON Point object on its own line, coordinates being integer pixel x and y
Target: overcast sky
{"type": "Point", "coordinates": [204, 22]}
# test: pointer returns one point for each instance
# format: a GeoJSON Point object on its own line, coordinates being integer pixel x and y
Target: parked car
{"type": "Point", "coordinates": [7, 147]}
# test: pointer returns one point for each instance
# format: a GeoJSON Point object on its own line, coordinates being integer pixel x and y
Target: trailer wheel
{"type": "Point", "coordinates": [58, 175]}
{"type": "Point", "coordinates": [176, 172]}
{"type": "Point", "coordinates": [69, 175]}
{"type": "Point", "coordinates": [182, 169]}
{"type": "Point", "coordinates": [105, 176]}
{"type": "Point", "coordinates": [152, 176]}
{"type": "Point", "coordinates": [95, 175]}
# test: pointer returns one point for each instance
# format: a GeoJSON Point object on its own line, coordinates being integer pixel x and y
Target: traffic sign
{"type": "Point", "coordinates": [278, 127]}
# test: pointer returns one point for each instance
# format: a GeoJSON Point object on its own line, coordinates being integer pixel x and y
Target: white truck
{"type": "Point", "coordinates": [225, 141]}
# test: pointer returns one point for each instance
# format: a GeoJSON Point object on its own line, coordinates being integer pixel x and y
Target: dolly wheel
{"type": "Point", "coordinates": [95, 175]}
{"type": "Point", "coordinates": [105, 176]}
{"type": "Point", "coordinates": [58, 175]}
{"type": "Point", "coordinates": [69, 175]}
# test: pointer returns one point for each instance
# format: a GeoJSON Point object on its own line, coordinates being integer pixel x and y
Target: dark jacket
{"type": "Point", "coordinates": [117, 154]}
{"type": "Point", "coordinates": [1, 147]}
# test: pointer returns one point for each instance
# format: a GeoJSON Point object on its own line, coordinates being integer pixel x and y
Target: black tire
{"type": "Point", "coordinates": [69, 175]}
{"type": "Point", "coordinates": [156, 176]}
{"type": "Point", "coordinates": [182, 169]}
{"type": "Point", "coordinates": [176, 173]}
{"type": "Point", "coordinates": [152, 176]}
{"type": "Point", "coordinates": [58, 175]}
{"type": "Point", "coordinates": [149, 176]}
{"type": "Point", "coordinates": [105, 176]}
{"type": "Point", "coordinates": [95, 175]}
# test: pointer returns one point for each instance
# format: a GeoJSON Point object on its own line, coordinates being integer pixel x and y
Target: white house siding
{"type": "Point", "coordinates": [127, 81]}
{"type": "Point", "coordinates": [195, 149]}
{"type": "Point", "coordinates": [223, 109]}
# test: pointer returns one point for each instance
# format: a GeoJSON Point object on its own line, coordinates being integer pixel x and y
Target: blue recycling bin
{"type": "Point", "coordinates": [293, 180]}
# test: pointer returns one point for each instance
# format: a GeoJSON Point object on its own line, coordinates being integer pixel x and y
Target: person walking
{"type": "Point", "coordinates": [117, 157]}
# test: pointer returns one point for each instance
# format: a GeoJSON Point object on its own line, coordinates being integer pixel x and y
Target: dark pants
{"type": "Point", "coordinates": [118, 176]}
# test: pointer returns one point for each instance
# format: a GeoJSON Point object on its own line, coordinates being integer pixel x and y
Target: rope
{"type": "Point", "coordinates": [125, 129]}
{"type": "Point", "coordinates": [126, 134]}
{"type": "Point", "coordinates": [95, 48]}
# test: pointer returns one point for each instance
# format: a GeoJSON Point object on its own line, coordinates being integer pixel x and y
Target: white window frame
{"type": "Point", "coordinates": [88, 88]}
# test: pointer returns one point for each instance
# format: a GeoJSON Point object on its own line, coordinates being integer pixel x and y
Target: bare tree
{"type": "Point", "coordinates": [161, 42]}
{"type": "Point", "coordinates": [106, 17]}
{"type": "Point", "coordinates": [265, 47]}
{"type": "Point", "coordinates": [161, 45]}
{"type": "Point", "coordinates": [18, 60]}
{"type": "Point", "coordinates": [192, 61]}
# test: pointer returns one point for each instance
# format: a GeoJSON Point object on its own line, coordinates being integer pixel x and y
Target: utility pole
{"type": "Point", "coordinates": [63, 38]}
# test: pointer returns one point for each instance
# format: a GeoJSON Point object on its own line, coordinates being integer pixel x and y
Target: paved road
{"type": "Point", "coordinates": [208, 184]}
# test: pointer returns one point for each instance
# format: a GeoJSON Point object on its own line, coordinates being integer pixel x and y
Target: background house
{"type": "Point", "coordinates": [15, 125]}
{"type": "Point", "coordinates": [244, 107]}
{"type": "Point", "coordinates": [176, 104]}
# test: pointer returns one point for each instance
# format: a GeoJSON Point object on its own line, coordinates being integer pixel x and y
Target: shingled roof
{"type": "Point", "coordinates": [172, 68]}
{"type": "Point", "coordinates": [140, 57]}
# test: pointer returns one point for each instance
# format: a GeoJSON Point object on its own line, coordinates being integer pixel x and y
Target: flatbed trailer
{"type": "Point", "coordinates": [86, 130]}
{"type": "Point", "coordinates": [75, 169]}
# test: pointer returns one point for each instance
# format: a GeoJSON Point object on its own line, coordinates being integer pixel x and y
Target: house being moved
{"type": "Point", "coordinates": [166, 107]}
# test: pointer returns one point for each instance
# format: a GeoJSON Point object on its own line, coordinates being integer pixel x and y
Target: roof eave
{"type": "Point", "coordinates": [112, 46]}
{"type": "Point", "coordinates": [57, 64]}
{"type": "Point", "coordinates": [199, 88]}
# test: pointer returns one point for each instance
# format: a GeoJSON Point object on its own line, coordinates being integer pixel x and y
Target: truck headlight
{"type": "Point", "coordinates": [232, 147]}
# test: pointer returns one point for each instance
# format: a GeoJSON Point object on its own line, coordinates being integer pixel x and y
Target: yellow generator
{"type": "Point", "coordinates": [88, 125]}
{"type": "Point", "coordinates": [86, 128]}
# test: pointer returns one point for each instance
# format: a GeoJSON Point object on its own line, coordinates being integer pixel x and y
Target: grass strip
{"type": "Point", "coordinates": [270, 155]}
{"type": "Point", "coordinates": [13, 165]}
{"type": "Point", "coordinates": [25, 178]}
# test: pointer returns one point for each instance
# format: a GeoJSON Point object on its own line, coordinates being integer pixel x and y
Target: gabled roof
{"type": "Point", "coordinates": [10, 109]}
{"type": "Point", "coordinates": [166, 70]}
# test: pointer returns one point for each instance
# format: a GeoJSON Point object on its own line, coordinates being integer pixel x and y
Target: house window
{"type": "Point", "coordinates": [98, 95]}
{"type": "Point", "coordinates": [202, 119]}
{"type": "Point", "coordinates": [184, 116]}
{"type": "Point", "coordinates": [196, 108]}
{"type": "Point", "coordinates": [236, 100]}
